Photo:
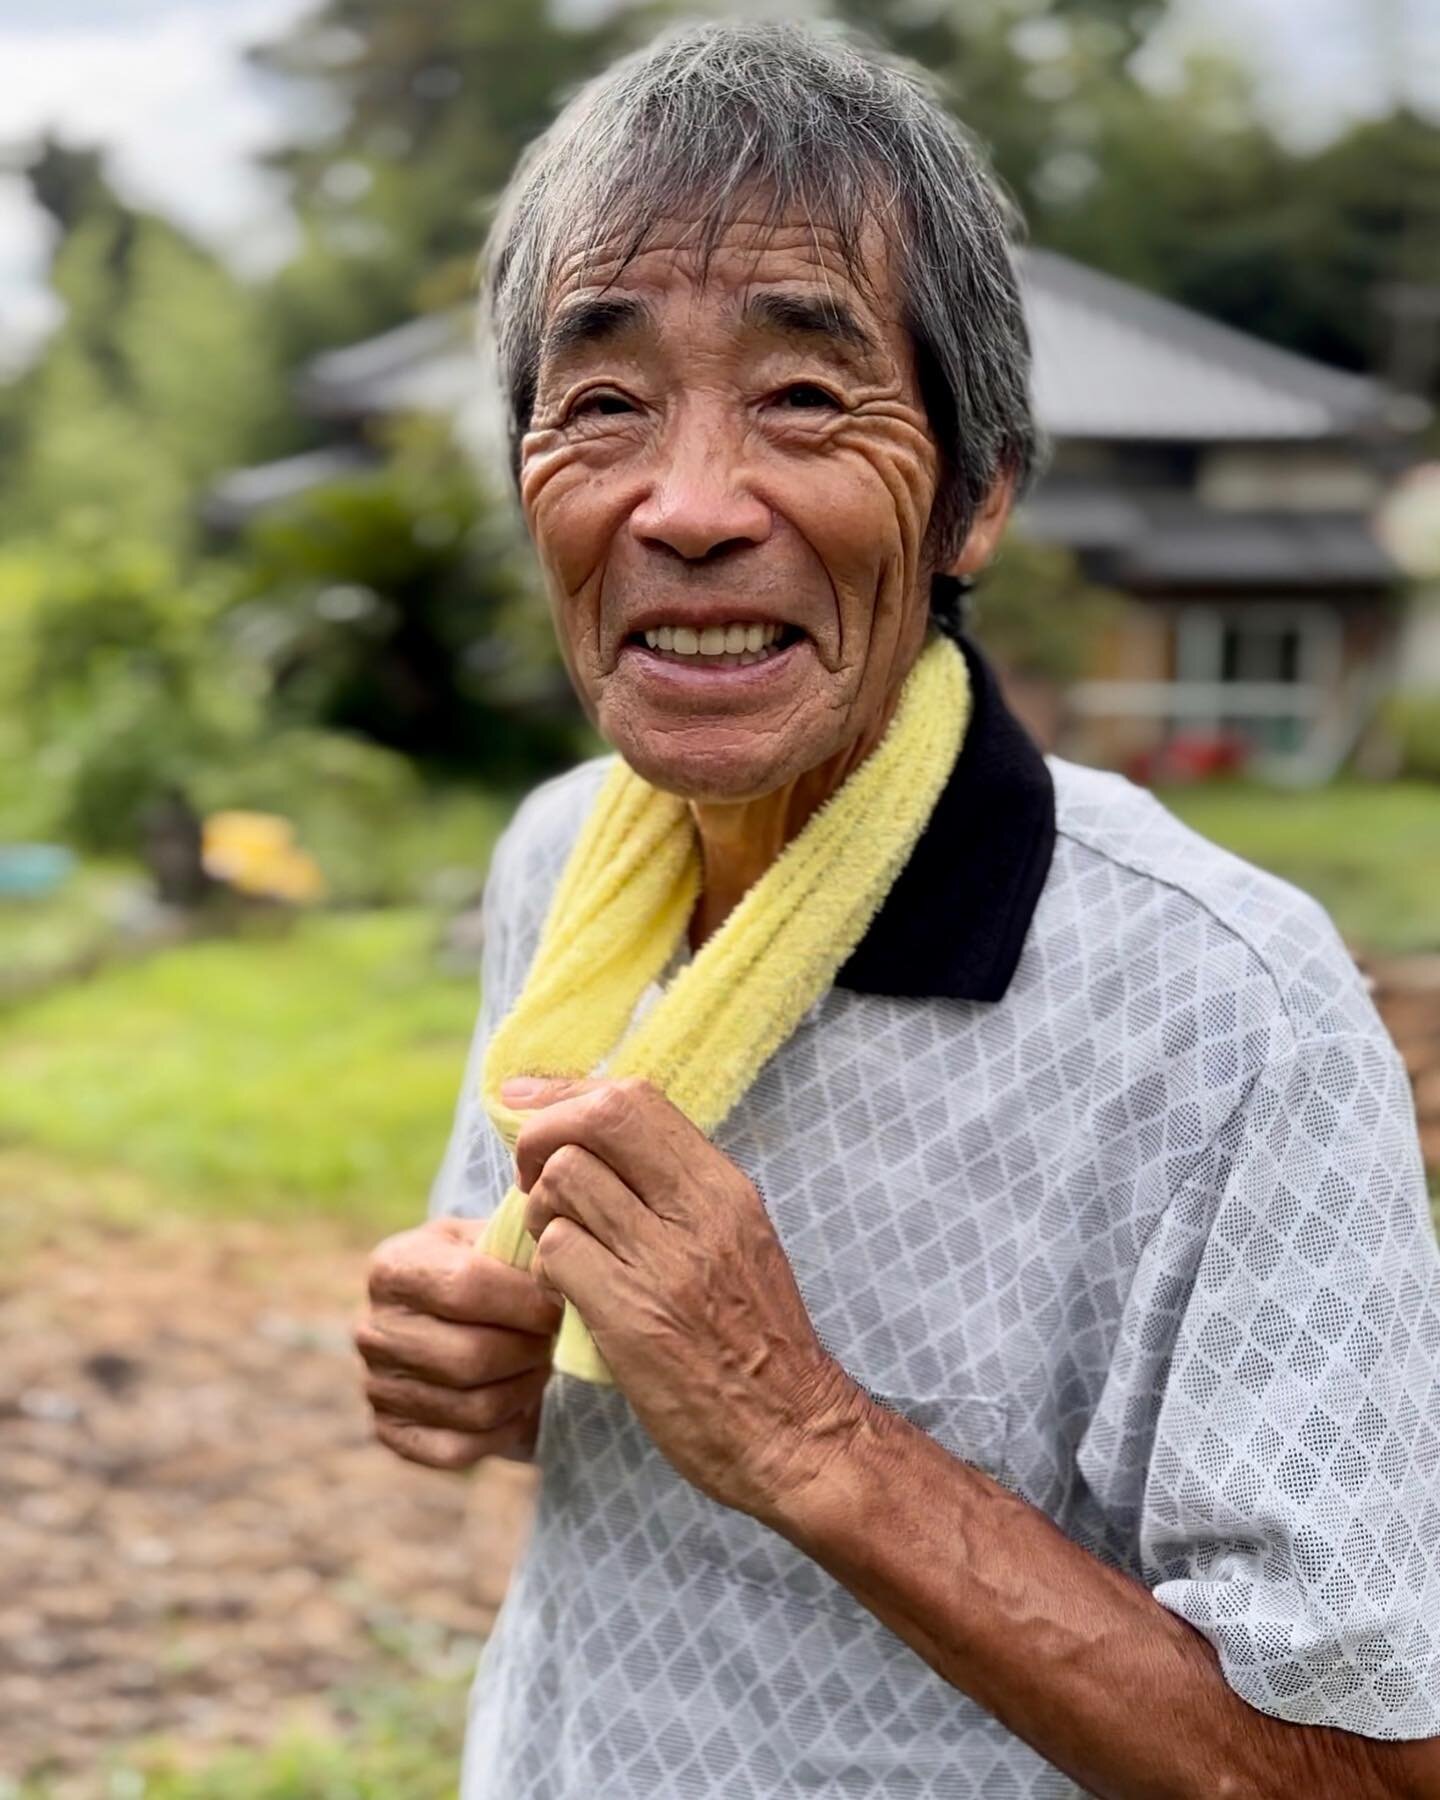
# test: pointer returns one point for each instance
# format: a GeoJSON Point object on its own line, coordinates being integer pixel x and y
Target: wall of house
{"type": "Point", "coordinates": [1137, 646]}
{"type": "Point", "coordinates": [1287, 478]}
{"type": "Point", "coordinates": [1418, 652]}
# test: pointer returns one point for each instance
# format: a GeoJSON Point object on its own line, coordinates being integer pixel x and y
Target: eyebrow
{"type": "Point", "coordinates": [600, 320]}
{"type": "Point", "coordinates": [810, 315]}
{"type": "Point", "coordinates": [588, 322]}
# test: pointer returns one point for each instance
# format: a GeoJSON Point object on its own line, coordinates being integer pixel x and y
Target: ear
{"type": "Point", "coordinates": [985, 528]}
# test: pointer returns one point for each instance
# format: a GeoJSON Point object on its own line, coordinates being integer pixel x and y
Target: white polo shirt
{"type": "Point", "coordinates": [1098, 1164]}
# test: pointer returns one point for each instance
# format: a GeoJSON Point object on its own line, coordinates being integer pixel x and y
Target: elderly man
{"type": "Point", "coordinates": [1022, 1380]}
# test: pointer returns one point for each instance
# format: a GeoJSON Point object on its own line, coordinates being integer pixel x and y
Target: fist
{"type": "Point", "coordinates": [456, 1346]}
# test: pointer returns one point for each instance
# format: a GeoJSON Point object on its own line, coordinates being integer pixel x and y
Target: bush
{"type": "Point", "coordinates": [397, 603]}
{"type": "Point", "coordinates": [370, 622]}
{"type": "Point", "coordinates": [379, 832]}
{"type": "Point", "coordinates": [112, 686]}
{"type": "Point", "coordinates": [1414, 722]}
{"type": "Point", "coordinates": [1036, 612]}
{"type": "Point", "coordinates": [121, 679]}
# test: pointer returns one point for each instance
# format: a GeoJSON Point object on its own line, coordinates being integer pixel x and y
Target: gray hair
{"type": "Point", "coordinates": [815, 121]}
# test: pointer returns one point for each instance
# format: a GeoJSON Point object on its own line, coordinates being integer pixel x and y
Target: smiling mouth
{"type": "Point", "coordinates": [712, 648]}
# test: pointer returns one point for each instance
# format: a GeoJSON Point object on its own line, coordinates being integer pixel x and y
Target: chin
{"type": "Point", "coordinates": [719, 774]}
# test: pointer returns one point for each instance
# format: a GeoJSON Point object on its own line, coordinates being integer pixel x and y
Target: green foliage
{"type": "Point", "coordinates": [198, 361]}
{"type": "Point", "coordinates": [1186, 192]}
{"type": "Point", "coordinates": [1297, 248]}
{"type": "Point", "coordinates": [76, 465]}
{"type": "Point", "coordinates": [390, 610]}
{"type": "Point", "coordinates": [110, 688]}
{"type": "Point", "coordinates": [436, 103]}
{"type": "Point", "coordinates": [398, 603]}
{"type": "Point", "coordinates": [164, 371]}
{"type": "Point", "coordinates": [318, 1067]}
{"type": "Point", "coordinates": [381, 835]}
{"type": "Point", "coordinates": [1037, 612]}
{"type": "Point", "coordinates": [42, 941]}
{"type": "Point", "coordinates": [403, 1744]}
{"type": "Point", "coordinates": [1370, 853]}
{"type": "Point", "coordinates": [1414, 722]}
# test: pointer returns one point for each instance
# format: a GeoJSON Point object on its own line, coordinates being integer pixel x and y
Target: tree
{"type": "Point", "coordinates": [163, 372]}
{"type": "Point", "coordinates": [435, 104]}
{"type": "Point", "coordinates": [1189, 193]}
{"type": "Point", "coordinates": [397, 604]}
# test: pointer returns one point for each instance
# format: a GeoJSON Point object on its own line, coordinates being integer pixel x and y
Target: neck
{"type": "Point", "coordinates": [739, 839]}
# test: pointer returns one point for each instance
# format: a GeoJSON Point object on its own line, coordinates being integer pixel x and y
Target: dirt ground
{"type": "Point", "coordinates": [198, 1536]}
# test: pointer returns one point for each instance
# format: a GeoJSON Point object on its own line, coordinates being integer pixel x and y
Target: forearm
{"type": "Point", "coordinates": [1071, 1655]}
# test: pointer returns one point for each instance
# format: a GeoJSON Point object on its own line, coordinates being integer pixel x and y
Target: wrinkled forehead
{"type": "Point", "coordinates": [704, 249]}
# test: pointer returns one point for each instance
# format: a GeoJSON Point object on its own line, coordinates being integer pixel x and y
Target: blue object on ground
{"type": "Point", "coordinates": [31, 871]}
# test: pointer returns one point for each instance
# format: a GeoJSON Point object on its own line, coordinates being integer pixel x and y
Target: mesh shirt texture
{"type": "Point", "coordinates": [1147, 1240]}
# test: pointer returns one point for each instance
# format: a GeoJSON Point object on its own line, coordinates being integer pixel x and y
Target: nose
{"type": "Point", "coordinates": [699, 506]}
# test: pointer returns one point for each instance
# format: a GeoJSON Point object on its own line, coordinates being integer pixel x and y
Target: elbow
{"type": "Point", "coordinates": [1238, 1784]}
{"type": "Point", "coordinates": [1337, 1773]}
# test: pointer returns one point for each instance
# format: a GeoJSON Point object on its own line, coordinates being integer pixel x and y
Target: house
{"type": "Point", "coordinates": [1228, 490]}
{"type": "Point", "coordinates": [1225, 488]}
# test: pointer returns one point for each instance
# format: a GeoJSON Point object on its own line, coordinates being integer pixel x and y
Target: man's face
{"type": "Point", "coordinates": [747, 450]}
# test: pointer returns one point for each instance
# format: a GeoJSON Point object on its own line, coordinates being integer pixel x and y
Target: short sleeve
{"type": "Point", "coordinates": [1291, 1508]}
{"type": "Point", "coordinates": [474, 1173]}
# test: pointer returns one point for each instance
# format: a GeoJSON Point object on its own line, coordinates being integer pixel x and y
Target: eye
{"type": "Point", "coordinates": [604, 401]}
{"type": "Point", "coordinates": [805, 396]}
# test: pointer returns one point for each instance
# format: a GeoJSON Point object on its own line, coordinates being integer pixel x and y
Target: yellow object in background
{"type": "Point", "coordinates": [256, 853]}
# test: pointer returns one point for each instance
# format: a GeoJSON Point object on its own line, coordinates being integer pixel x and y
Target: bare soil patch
{"type": "Point", "coordinates": [198, 1535]}
{"type": "Point", "coordinates": [1406, 989]}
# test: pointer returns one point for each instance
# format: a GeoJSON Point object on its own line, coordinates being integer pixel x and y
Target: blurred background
{"type": "Point", "coordinates": [274, 668]}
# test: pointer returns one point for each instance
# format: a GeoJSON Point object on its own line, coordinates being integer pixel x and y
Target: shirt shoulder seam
{"type": "Point", "coordinates": [1228, 926]}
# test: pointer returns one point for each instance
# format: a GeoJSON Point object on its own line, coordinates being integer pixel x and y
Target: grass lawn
{"type": "Point", "coordinates": [41, 940]}
{"type": "Point", "coordinates": [314, 1071]}
{"type": "Point", "coordinates": [1369, 852]}
{"type": "Point", "coordinates": [404, 1745]}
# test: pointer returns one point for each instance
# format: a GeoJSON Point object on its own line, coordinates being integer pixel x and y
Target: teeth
{"type": "Point", "coordinates": [715, 640]}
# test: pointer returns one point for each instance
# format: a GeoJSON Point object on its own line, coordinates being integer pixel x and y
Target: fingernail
{"type": "Point", "coordinates": [522, 1087]}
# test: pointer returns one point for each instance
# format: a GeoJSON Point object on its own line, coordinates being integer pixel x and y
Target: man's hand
{"type": "Point", "coordinates": [457, 1347]}
{"type": "Point", "coordinates": [666, 1250]}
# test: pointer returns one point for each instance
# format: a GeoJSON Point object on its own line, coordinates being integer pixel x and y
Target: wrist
{"type": "Point", "coordinates": [831, 1414]}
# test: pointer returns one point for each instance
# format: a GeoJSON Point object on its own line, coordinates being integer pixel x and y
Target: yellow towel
{"type": "Point", "coordinates": [625, 897]}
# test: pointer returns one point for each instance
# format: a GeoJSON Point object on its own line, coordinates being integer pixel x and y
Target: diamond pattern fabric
{"type": "Point", "coordinates": [1147, 1241]}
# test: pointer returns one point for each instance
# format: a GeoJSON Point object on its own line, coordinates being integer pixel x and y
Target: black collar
{"type": "Point", "coordinates": [955, 920]}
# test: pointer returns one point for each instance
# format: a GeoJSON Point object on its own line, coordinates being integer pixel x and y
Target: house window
{"type": "Point", "coordinates": [1260, 650]}
{"type": "Point", "coordinates": [1262, 670]}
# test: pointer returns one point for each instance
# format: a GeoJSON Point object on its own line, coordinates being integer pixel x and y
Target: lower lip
{"type": "Point", "coordinates": [687, 676]}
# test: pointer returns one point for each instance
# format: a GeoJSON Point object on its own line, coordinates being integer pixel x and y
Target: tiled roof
{"type": "Point", "coordinates": [1113, 361]}
{"type": "Point", "coordinates": [239, 494]}
{"type": "Point", "coordinates": [427, 365]}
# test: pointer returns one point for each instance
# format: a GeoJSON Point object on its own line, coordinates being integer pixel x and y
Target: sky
{"type": "Point", "coordinates": [1322, 63]}
{"type": "Point", "coordinates": [162, 85]}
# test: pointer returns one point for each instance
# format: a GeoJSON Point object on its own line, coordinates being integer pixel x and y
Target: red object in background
{"type": "Point", "coordinates": [1191, 756]}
